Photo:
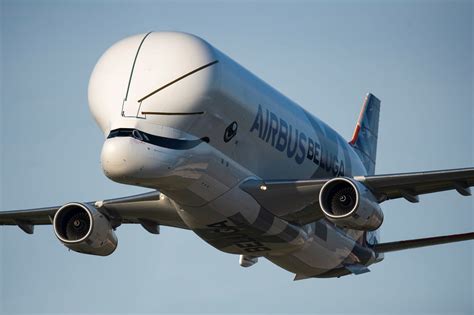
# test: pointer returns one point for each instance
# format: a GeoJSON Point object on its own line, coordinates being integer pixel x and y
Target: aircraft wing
{"type": "Point", "coordinates": [410, 185]}
{"type": "Point", "coordinates": [148, 209]}
{"type": "Point", "coordinates": [297, 200]}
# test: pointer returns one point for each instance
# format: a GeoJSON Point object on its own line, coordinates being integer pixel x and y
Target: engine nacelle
{"type": "Point", "coordinates": [349, 203]}
{"type": "Point", "coordinates": [84, 229]}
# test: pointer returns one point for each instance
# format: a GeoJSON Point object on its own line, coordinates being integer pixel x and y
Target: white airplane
{"type": "Point", "coordinates": [241, 165]}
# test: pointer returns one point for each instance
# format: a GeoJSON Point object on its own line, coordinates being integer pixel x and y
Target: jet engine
{"type": "Point", "coordinates": [350, 204]}
{"type": "Point", "coordinates": [84, 229]}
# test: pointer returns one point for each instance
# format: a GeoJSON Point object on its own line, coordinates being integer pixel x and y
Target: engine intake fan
{"type": "Point", "coordinates": [349, 203]}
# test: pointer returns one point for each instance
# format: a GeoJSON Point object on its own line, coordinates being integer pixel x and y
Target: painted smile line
{"type": "Point", "coordinates": [169, 143]}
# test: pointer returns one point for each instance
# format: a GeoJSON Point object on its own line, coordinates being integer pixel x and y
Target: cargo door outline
{"type": "Point", "coordinates": [131, 108]}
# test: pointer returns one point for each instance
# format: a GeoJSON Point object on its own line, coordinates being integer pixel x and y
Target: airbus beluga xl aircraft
{"type": "Point", "coordinates": [241, 165]}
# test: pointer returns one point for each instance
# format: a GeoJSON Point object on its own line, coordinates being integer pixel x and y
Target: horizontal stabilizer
{"type": "Point", "coordinates": [422, 242]}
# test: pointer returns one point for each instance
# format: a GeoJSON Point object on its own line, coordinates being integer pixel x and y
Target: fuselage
{"type": "Point", "coordinates": [182, 117]}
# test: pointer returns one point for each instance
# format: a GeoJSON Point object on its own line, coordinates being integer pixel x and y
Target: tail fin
{"type": "Point", "coordinates": [364, 139]}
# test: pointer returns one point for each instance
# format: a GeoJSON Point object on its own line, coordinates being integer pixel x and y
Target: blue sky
{"type": "Point", "coordinates": [416, 56]}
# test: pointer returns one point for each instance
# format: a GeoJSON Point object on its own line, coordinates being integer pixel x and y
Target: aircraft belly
{"type": "Point", "coordinates": [326, 252]}
{"type": "Point", "coordinates": [235, 223]}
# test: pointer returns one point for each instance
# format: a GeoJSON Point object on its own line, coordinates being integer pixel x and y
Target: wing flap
{"type": "Point", "coordinates": [422, 242]}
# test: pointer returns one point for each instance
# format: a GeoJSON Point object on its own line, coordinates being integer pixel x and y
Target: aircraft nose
{"type": "Point", "coordinates": [121, 159]}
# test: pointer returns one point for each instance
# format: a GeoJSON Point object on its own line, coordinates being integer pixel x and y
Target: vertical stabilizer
{"type": "Point", "coordinates": [364, 140]}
